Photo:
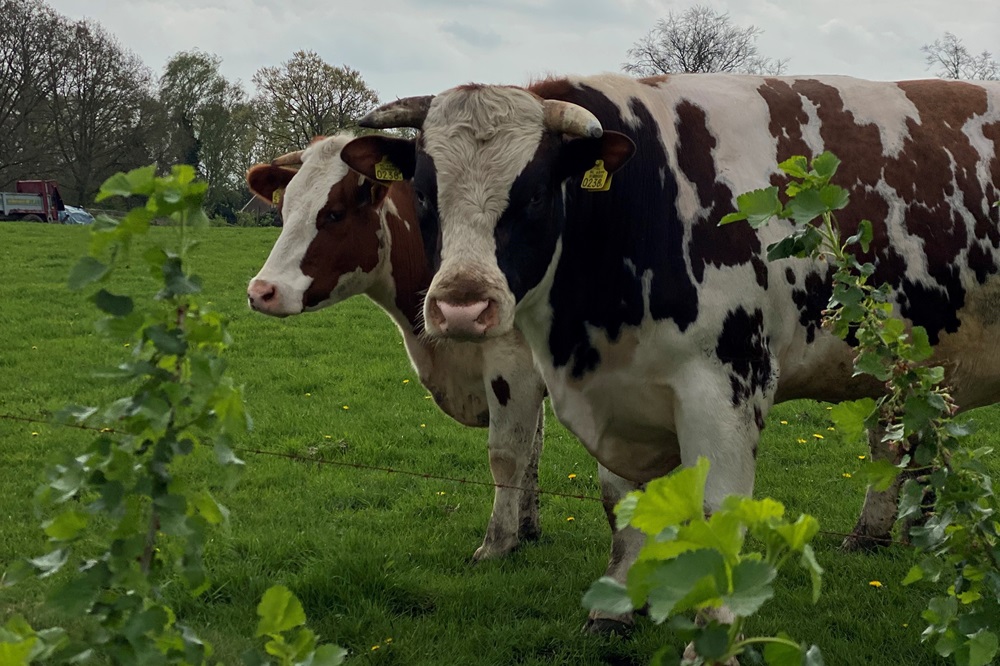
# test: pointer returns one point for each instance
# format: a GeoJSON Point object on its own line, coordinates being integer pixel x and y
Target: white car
{"type": "Point", "coordinates": [74, 215]}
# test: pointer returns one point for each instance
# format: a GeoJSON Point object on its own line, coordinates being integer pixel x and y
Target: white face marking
{"type": "Point", "coordinates": [304, 197]}
{"type": "Point", "coordinates": [480, 140]}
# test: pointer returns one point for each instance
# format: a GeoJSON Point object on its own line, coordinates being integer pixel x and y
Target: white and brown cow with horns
{"type": "Point", "coordinates": [345, 235]}
{"type": "Point", "coordinates": [662, 337]}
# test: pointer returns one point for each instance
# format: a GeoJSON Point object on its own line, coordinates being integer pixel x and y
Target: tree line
{"type": "Point", "coordinates": [77, 106]}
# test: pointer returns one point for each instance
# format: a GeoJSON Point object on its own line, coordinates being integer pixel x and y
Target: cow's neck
{"type": "Point", "coordinates": [404, 276]}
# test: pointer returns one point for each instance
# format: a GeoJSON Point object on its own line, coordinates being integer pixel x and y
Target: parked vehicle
{"type": "Point", "coordinates": [33, 201]}
{"type": "Point", "coordinates": [75, 215]}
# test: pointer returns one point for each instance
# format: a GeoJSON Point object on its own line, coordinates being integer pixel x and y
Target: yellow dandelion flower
{"type": "Point", "coordinates": [346, 407]}
{"type": "Point", "coordinates": [832, 429]}
{"type": "Point", "coordinates": [875, 583]}
{"type": "Point", "coordinates": [829, 408]}
{"type": "Point", "coordinates": [571, 476]}
{"type": "Point", "coordinates": [427, 397]}
{"type": "Point", "coordinates": [34, 347]}
{"type": "Point", "coordinates": [327, 437]}
{"type": "Point", "coordinates": [817, 435]}
{"type": "Point", "coordinates": [375, 647]}
{"type": "Point", "coordinates": [308, 394]}
{"type": "Point", "coordinates": [34, 434]}
{"type": "Point", "coordinates": [126, 344]}
{"type": "Point", "coordinates": [846, 475]}
{"type": "Point", "coordinates": [423, 425]}
{"type": "Point", "coordinates": [570, 519]}
{"type": "Point", "coordinates": [861, 457]}
{"type": "Point", "coordinates": [388, 640]}
{"type": "Point", "coordinates": [441, 492]}
{"type": "Point", "coordinates": [801, 441]}
{"type": "Point", "coordinates": [783, 422]}
{"type": "Point", "coordinates": [906, 624]}
{"type": "Point", "coordinates": [406, 381]}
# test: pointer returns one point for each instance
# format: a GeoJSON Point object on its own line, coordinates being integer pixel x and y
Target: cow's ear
{"type": "Point", "coordinates": [381, 158]}
{"type": "Point", "coordinates": [268, 182]}
{"type": "Point", "coordinates": [579, 155]}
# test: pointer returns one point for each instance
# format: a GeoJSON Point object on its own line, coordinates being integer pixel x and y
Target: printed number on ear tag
{"type": "Point", "coordinates": [597, 178]}
{"type": "Point", "coordinates": [276, 195]}
{"type": "Point", "coordinates": [386, 170]}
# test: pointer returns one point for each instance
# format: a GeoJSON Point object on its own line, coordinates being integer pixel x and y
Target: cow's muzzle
{"type": "Point", "coordinates": [470, 320]}
{"type": "Point", "coordinates": [264, 297]}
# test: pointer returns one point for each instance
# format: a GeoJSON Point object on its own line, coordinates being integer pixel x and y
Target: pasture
{"type": "Point", "coordinates": [381, 561]}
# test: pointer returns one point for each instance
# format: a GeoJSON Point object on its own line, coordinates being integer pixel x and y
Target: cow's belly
{"type": "Point", "coordinates": [624, 417]}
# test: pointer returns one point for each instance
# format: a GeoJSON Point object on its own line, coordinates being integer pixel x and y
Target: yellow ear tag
{"type": "Point", "coordinates": [386, 170]}
{"type": "Point", "coordinates": [276, 195]}
{"type": "Point", "coordinates": [597, 178]}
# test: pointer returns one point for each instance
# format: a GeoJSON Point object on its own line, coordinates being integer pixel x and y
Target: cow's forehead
{"type": "Point", "coordinates": [480, 138]}
{"type": "Point", "coordinates": [321, 169]}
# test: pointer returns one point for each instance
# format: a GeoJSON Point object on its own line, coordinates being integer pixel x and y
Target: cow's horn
{"type": "Point", "coordinates": [289, 159]}
{"type": "Point", "coordinates": [406, 112]}
{"type": "Point", "coordinates": [571, 119]}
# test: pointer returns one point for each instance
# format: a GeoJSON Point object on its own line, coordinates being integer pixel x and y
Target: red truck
{"type": "Point", "coordinates": [34, 201]}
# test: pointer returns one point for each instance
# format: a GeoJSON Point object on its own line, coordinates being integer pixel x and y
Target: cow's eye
{"type": "Point", "coordinates": [421, 198]}
{"type": "Point", "coordinates": [334, 216]}
{"type": "Point", "coordinates": [537, 199]}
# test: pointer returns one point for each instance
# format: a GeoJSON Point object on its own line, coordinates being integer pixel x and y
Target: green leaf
{"type": "Point", "coordinates": [86, 271]}
{"type": "Point", "coordinates": [137, 181]}
{"type": "Point", "coordinates": [879, 474]}
{"type": "Point", "coordinates": [17, 653]}
{"type": "Point", "coordinates": [834, 197]}
{"type": "Point", "coordinates": [809, 563]}
{"type": "Point", "coordinates": [807, 206]}
{"type": "Point", "coordinates": [918, 412]}
{"type": "Point", "coordinates": [66, 526]}
{"type": "Point", "coordinates": [758, 206]}
{"type": "Point", "coordinates": [118, 306]}
{"type": "Point", "coordinates": [753, 512]}
{"type": "Point", "coordinates": [209, 508]}
{"type": "Point", "coordinates": [279, 610]}
{"type": "Point", "coordinates": [796, 167]}
{"type": "Point", "coordinates": [799, 533]}
{"type": "Point", "coordinates": [922, 349]}
{"type": "Point", "coordinates": [608, 595]}
{"type": "Point", "coordinates": [729, 218]}
{"type": "Point", "coordinates": [672, 500]}
{"type": "Point", "coordinates": [691, 579]}
{"type": "Point", "coordinates": [169, 342]}
{"type": "Point", "coordinates": [327, 655]}
{"type": "Point", "coordinates": [850, 417]}
{"type": "Point", "coordinates": [712, 642]}
{"type": "Point", "coordinates": [783, 654]}
{"type": "Point", "coordinates": [983, 647]}
{"type": "Point", "coordinates": [910, 497]}
{"type": "Point", "coordinates": [825, 165]}
{"type": "Point", "coordinates": [751, 586]}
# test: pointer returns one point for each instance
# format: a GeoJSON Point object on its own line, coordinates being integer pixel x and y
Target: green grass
{"type": "Point", "coordinates": [375, 556]}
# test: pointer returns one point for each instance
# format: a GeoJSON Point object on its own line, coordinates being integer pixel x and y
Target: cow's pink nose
{"type": "Point", "coordinates": [464, 319]}
{"type": "Point", "coordinates": [262, 295]}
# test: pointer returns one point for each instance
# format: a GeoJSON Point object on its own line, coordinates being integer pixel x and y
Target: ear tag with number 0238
{"type": "Point", "coordinates": [597, 178]}
{"type": "Point", "coordinates": [386, 170]}
{"type": "Point", "coordinates": [276, 195]}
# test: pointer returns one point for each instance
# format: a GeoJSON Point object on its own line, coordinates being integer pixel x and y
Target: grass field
{"type": "Point", "coordinates": [382, 562]}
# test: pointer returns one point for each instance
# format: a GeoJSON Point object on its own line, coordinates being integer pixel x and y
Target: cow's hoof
{"type": "Point", "coordinates": [864, 543]}
{"type": "Point", "coordinates": [494, 550]}
{"type": "Point", "coordinates": [606, 626]}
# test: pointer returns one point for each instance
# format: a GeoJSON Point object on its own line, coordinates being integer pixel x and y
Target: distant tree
{"type": "Point", "coordinates": [28, 30]}
{"type": "Point", "coordinates": [101, 99]}
{"type": "Point", "coordinates": [306, 97]}
{"type": "Point", "coordinates": [954, 61]}
{"type": "Point", "coordinates": [209, 124]}
{"type": "Point", "coordinates": [699, 40]}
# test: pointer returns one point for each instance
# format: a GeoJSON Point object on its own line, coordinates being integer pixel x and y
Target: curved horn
{"type": "Point", "coordinates": [406, 112]}
{"type": "Point", "coordinates": [570, 119]}
{"type": "Point", "coordinates": [289, 159]}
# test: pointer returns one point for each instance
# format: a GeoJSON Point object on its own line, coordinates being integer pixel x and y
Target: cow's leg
{"type": "Point", "coordinates": [625, 545]}
{"type": "Point", "coordinates": [528, 527]}
{"type": "Point", "coordinates": [874, 526]}
{"type": "Point", "coordinates": [515, 403]}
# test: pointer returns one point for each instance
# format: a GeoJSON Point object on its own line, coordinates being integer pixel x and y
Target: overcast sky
{"type": "Point", "coordinates": [425, 46]}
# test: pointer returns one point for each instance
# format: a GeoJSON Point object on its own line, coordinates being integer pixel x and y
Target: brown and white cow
{"type": "Point", "coordinates": [662, 337]}
{"type": "Point", "coordinates": [344, 235]}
